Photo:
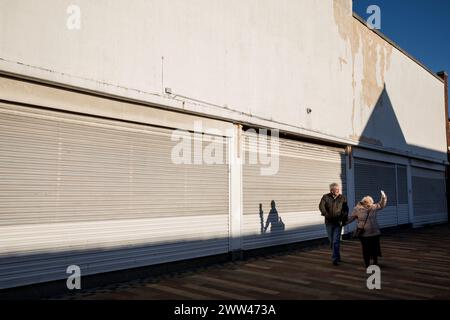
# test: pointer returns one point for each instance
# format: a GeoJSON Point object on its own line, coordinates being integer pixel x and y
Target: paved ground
{"type": "Point", "coordinates": [415, 265]}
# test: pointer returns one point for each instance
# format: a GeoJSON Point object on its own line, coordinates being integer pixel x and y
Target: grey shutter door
{"type": "Point", "coordinates": [305, 172]}
{"type": "Point", "coordinates": [101, 194]}
{"type": "Point", "coordinates": [370, 178]}
{"type": "Point", "coordinates": [402, 195]}
{"type": "Point", "coordinates": [430, 204]}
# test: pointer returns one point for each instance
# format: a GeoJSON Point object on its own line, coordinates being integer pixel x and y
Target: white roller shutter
{"type": "Point", "coordinates": [305, 172]}
{"type": "Point", "coordinates": [430, 203]}
{"type": "Point", "coordinates": [100, 194]}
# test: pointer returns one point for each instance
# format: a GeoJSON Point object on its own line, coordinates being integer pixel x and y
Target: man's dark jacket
{"type": "Point", "coordinates": [334, 210]}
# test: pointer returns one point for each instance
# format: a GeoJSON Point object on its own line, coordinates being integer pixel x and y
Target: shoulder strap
{"type": "Point", "coordinates": [368, 213]}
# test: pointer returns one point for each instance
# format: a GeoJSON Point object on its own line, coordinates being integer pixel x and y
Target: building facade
{"type": "Point", "coordinates": [133, 136]}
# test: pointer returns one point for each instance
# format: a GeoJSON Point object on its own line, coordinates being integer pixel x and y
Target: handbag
{"type": "Point", "coordinates": [360, 231]}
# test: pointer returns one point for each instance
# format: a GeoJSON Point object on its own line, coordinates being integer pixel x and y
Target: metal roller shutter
{"type": "Point", "coordinates": [430, 203]}
{"type": "Point", "coordinates": [305, 172]}
{"type": "Point", "coordinates": [100, 194]}
{"type": "Point", "coordinates": [402, 195]}
{"type": "Point", "coordinates": [370, 178]}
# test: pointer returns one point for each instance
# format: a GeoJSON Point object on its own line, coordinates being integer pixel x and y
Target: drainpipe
{"type": "Point", "coordinates": [444, 77]}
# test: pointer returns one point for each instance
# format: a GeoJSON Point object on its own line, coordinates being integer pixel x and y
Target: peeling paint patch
{"type": "Point", "coordinates": [370, 60]}
{"type": "Point", "coordinates": [343, 18]}
{"type": "Point", "coordinates": [376, 61]}
{"type": "Point", "coordinates": [375, 52]}
{"type": "Point", "coordinates": [342, 10]}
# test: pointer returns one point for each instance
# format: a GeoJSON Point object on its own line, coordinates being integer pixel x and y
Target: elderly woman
{"type": "Point", "coordinates": [365, 213]}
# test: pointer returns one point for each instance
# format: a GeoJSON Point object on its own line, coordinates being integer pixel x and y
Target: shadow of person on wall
{"type": "Point", "coordinates": [261, 218]}
{"type": "Point", "coordinates": [273, 219]}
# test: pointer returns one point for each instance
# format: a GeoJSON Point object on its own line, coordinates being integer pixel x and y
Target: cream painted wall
{"type": "Point", "coordinates": [256, 61]}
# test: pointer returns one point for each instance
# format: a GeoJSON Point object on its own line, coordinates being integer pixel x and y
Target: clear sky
{"type": "Point", "coordinates": [421, 27]}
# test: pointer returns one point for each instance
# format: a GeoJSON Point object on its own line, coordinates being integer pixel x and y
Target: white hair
{"type": "Point", "coordinates": [334, 185]}
{"type": "Point", "coordinates": [367, 201]}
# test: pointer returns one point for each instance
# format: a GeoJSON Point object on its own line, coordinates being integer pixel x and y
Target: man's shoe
{"type": "Point", "coordinates": [335, 262]}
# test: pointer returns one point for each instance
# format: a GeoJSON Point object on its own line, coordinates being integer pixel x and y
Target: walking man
{"type": "Point", "coordinates": [333, 206]}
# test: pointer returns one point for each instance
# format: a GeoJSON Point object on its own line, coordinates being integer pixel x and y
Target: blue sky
{"type": "Point", "coordinates": [421, 27]}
